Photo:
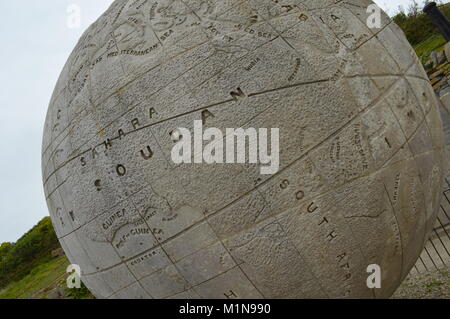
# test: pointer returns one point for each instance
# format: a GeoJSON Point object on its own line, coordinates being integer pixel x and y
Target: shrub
{"type": "Point", "coordinates": [32, 249]}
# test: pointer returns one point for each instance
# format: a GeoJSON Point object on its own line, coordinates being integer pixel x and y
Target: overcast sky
{"type": "Point", "coordinates": [36, 43]}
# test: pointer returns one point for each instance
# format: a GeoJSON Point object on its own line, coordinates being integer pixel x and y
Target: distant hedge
{"type": "Point", "coordinates": [33, 248]}
{"type": "Point", "coordinates": [417, 25]}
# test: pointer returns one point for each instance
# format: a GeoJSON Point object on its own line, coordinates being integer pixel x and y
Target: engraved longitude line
{"type": "Point", "coordinates": [398, 228]}
{"type": "Point", "coordinates": [352, 237]}
{"type": "Point", "coordinates": [429, 132]}
{"type": "Point", "coordinates": [223, 245]}
{"type": "Point", "coordinates": [65, 163]}
{"type": "Point", "coordinates": [161, 244]}
{"type": "Point", "coordinates": [184, 81]}
{"type": "Point", "coordinates": [325, 7]}
{"type": "Point", "coordinates": [279, 34]}
{"type": "Point", "coordinates": [274, 90]}
{"type": "Point", "coordinates": [336, 35]}
{"type": "Point", "coordinates": [132, 108]}
{"type": "Point", "coordinates": [133, 274]}
{"type": "Point", "coordinates": [184, 114]}
{"type": "Point", "coordinates": [130, 199]}
{"type": "Point", "coordinates": [137, 77]}
{"type": "Point", "coordinates": [300, 55]}
{"type": "Point", "coordinates": [136, 210]}
{"type": "Point", "coordinates": [177, 260]}
{"type": "Point", "coordinates": [133, 80]}
{"type": "Point", "coordinates": [393, 209]}
{"type": "Point", "coordinates": [173, 263]}
{"type": "Point", "coordinates": [203, 282]}
{"type": "Point", "coordinates": [112, 296]}
{"type": "Point", "coordinates": [106, 211]}
{"type": "Point", "coordinates": [436, 105]}
{"type": "Point", "coordinates": [122, 115]}
{"type": "Point", "coordinates": [374, 34]}
{"type": "Point", "coordinates": [112, 24]}
{"type": "Point", "coordinates": [207, 219]}
{"type": "Point", "coordinates": [394, 212]}
{"type": "Point", "coordinates": [221, 210]}
{"type": "Point", "coordinates": [398, 121]}
{"type": "Point", "coordinates": [308, 266]}
{"type": "Point", "coordinates": [387, 75]}
{"type": "Point", "coordinates": [57, 187]}
{"type": "Point", "coordinates": [183, 73]}
{"type": "Point", "coordinates": [234, 259]}
{"type": "Point", "coordinates": [331, 135]}
{"type": "Point", "coordinates": [73, 98]}
{"type": "Point", "coordinates": [373, 103]}
{"type": "Point", "coordinates": [217, 212]}
{"type": "Point", "coordinates": [82, 246]}
{"type": "Point", "coordinates": [169, 163]}
{"type": "Point", "coordinates": [195, 13]}
{"type": "Point", "coordinates": [406, 137]}
{"type": "Point", "coordinates": [345, 46]}
{"type": "Point", "coordinates": [306, 154]}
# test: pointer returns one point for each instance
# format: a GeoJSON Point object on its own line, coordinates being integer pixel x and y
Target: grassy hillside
{"type": "Point", "coordinates": [421, 32]}
{"type": "Point", "coordinates": [28, 270]}
{"type": "Point", "coordinates": [416, 24]}
{"type": "Point", "coordinates": [42, 281]}
{"type": "Point", "coordinates": [34, 248]}
{"type": "Point", "coordinates": [39, 278]}
{"type": "Point", "coordinates": [433, 43]}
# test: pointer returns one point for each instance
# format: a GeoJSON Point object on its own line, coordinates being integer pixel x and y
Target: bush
{"type": "Point", "coordinates": [32, 249]}
{"type": "Point", "coordinates": [82, 293]}
{"type": "Point", "coordinates": [416, 25]}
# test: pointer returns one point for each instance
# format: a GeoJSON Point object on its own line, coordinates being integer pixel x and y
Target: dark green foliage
{"type": "Point", "coordinates": [82, 293]}
{"type": "Point", "coordinates": [32, 249]}
{"type": "Point", "coordinates": [5, 248]}
{"type": "Point", "coordinates": [417, 25]}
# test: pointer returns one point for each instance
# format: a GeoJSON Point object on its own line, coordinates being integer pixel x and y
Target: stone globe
{"type": "Point", "coordinates": [360, 151]}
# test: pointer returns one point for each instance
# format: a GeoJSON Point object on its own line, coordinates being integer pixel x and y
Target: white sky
{"type": "Point", "coordinates": [35, 45]}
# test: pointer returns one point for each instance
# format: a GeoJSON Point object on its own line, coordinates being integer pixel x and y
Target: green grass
{"type": "Point", "coordinates": [435, 284]}
{"type": "Point", "coordinates": [40, 277]}
{"type": "Point", "coordinates": [424, 49]}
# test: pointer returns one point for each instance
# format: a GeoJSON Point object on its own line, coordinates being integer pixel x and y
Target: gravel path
{"type": "Point", "coordinates": [431, 285]}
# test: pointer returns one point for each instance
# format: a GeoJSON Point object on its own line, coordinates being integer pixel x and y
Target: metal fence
{"type": "Point", "coordinates": [436, 252]}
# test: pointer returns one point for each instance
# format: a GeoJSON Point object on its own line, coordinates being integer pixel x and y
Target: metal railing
{"type": "Point", "coordinates": [436, 252]}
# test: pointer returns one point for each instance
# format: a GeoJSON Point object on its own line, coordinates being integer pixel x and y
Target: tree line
{"type": "Point", "coordinates": [416, 25]}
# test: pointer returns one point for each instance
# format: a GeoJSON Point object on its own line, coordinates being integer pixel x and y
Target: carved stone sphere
{"type": "Point", "coordinates": [360, 137]}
